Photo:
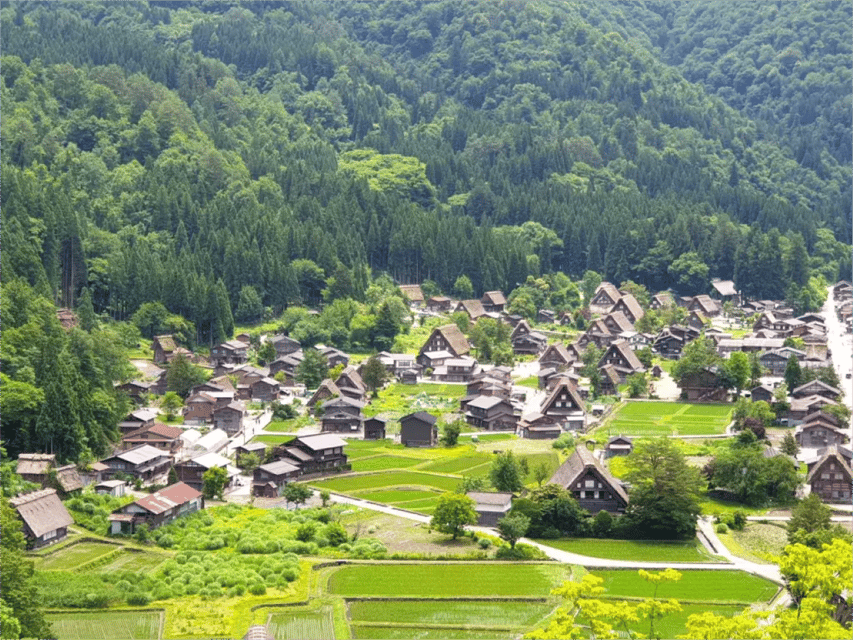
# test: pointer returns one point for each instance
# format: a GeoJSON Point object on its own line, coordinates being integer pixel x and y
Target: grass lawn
{"type": "Point", "coordinates": [670, 418]}
{"type": "Point", "coordinates": [532, 382]}
{"type": "Point", "coordinates": [710, 585]}
{"type": "Point", "coordinates": [115, 625]}
{"type": "Point", "coordinates": [289, 426]}
{"type": "Point", "coordinates": [447, 580]}
{"type": "Point", "coordinates": [716, 506]}
{"type": "Point", "coordinates": [640, 550]}
{"type": "Point", "coordinates": [352, 484]}
{"type": "Point", "coordinates": [72, 557]}
{"type": "Point", "coordinates": [274, 439]}
{"type": "Point", "coordinates": [757, 542]}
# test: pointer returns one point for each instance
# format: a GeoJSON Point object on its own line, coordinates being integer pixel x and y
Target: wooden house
{"type": "Point", "coordinates": [192, 471]}
{"type": "Point", "coordinates": [351, 384]}
{"type": "Point", "coordinates": [374, 428]}
{"type": "Point", "coordinates": [335, 357]}
{"type": "Point", "coordinates": [592, 485]}
{"type": "Point", "coordinates": [762, 393]}
{"type": "Point", "coordinates": [45, 518]}
{"type": "Point", "coordinates": [327, 390]}
{"type": "Point", "coordinates": [724, 291]}
{"type": "Point", "coordinates": [418, 430]}
{"type": "Point", "coordinates": [474, 309]}
{"type": "Point", "coordinates": [617, 322]}
{"type": "Point", "coordinates": [164, 348]}
{"type": "Point", "coordinates": [284, 345]}
{"type": "Point", "coordinates": [136, 390]}
{"type": "Point", "coordinates": [137, 419]}
{"type": "Point", "coordinates": [629, 307]}
{"type": "Point", "coordinates": [537, 426]}
{"type": "Point", "coordinates": [623, 359]}
{"type": "Point", "coordinates": [818, 434]}
{"type": "Point", "coordinates": [439, 304]}
{"type": "Point", "coordinates": [341, 415]}
{"type": "Point", "coordinates": [456, 370]}
{"type": "Point", "coordinates": [830, 478]}
{"type": "Point", "coordinates": [229, 418]}
{"type": "Point", "coordinates": [315, 454]}
{"type": "Point", "coordinates": [661, 300]}
{"type": "Point", "coordinates": [269, 480]}
{"type": "Point", "coordinates": [198, 409]}
{"type": "Point", "coordinates": [492, 413]}
{"type": "Point", "coordinates": [143, 461]}
{"type": "Point", "coordinates": [709, 307]}
{"type": "Point", "coordinates": [546, 316]}
{"type": "Point", "coordinates": [609, 380]}
{"type": "Point", "coordinates": [618, 446]}
{"type": "Point", "coordinates": [776, 360]}
{"type": "Point", "coordinates": [816, 388]}
{"type": "Point", "coordinates": [413, 293]}
{"type": "Point", "coordinates": [259, 449]}
{"type": "Point", "coordinates": [801, 407]}
{"type": "Point", "coordinates": [557, 356]}
{"type": "Point", "coordinates": [445, 338]}
{"type": "Point", "coordinates": [35, 467]}
{"type": "Point", "coordinates": [491, 506]}
{"type": "Point", "coordinates": [696, 320]}
{"type": "Point", "coordinates": [264, 390]}
{"type": "Point", "coordinates": [605, 296]}
{"type": "Point", "coordinates": [703, 386]}
{"type": "Point", "coordinates": [565, 406]}
{"type": "Point", "coordinates": [229, 352]}
{"type": "Point", "coordinates": [493, 301]}
{"type": "Point", "coordinates": [114, 488]}
{"type": "Point", "coordinates": [157, 435]}
{"type": "Point", "coordinates": [157, 509]}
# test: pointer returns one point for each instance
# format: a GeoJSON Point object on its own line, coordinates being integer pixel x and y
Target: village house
{"type": "Point", "coordinates": [114, 488]}
{"type": "Point", "coordinates": [762, 393]}
{"type": "Point", "coordinates": [439, 304]}
{"type": "Point", "coordinates": [418, 430]}
{"type": "Point", "coordinates": [537, 426]}
{"type": "Point", "coordinates": [157, 509]}
{"type": "Point", "coordinates": [284, 345]}
{"type": "Point", "coordinates": [724, 291]}
{"type": "Point", "coordinates": [623, 359]}
{"type": "Point", "coordinates": [374, 428]}
{"type": "Point", "coordinates": [351, 384]}
{"type": "Point", "coordinates": [213, 441]}
{"type": "Point", "coordinates": [45, 518]}
{"type": "Point", "coordinates": [618, 446]}
{"type": "Point", "coordinates": [143, 461]}
{"type": "Point", "coordinates": [661, 300]}
{"type": "Point", "coordinates": [727, 346]}
{"type": "Point", "coordinates": [314, 454]}
{"type": "Point", "coordinates": [816, 388]}
{"type": "Point", "coordinates": [609, 380]}
{"type": "Point", "coordinates": [592, 485]}
{"type": "Point", "coordinates": [334, 357]}
{"type": "Point", "coordinates": [264, 390]}
{"type": "Point", "coordinates": [709, 307]}
{"type": "Point", "coordinates": [696, 320]}
{"type": "Point", "coordinates": [493, 301]}
{"type": "Point", "coordinates": [164, 348]}
{"type": "Point", "coordinates": [327, 390]}
{"type": "Point", "coordinates": [818, 434]}
{"type": "Point", "coordinates": [802, 407]}
{"type": "Point", "coordinates": [491, 506]}
{"type": "Point", "coordinates": [703, 386]}
{"type": "Point", "coordinates": [830, 478]}
{"type": "Point", "coordinates": [447, 338]}
{"type": "Point", "coordinates": [617, 322]}
{"type": "Point", "coordinates": [492, 413]}
{"type": "Point", "coordinates": [269, 480]}
{"type": "Point", "coordinates": [565, 406]}
{"type": "Point", "coordinates": [456, 370]}
{"type": "Point", "coordinates": [198, 408]}
{"type": "Point", "coordinates": [287, 364]}
{"type": "Point", "coordinates": [35, 467]}
{"type": "Point", "coordinates": [67, 481]}
{"type": "Point", "coordinates": [137, 419]}
{"type": "Point", "coordinates": [231, 352]}
{"type": "Point", "coordinates": [341, 415]}
{"type": "Point", "coordinates": [605, 296]}
{"type": "Point", "coordinates": [136, 390]}
{"type": "Point", "coordinates": [157, 435]}
{"type": "Point", "coordinates": [192, 471]}
{"type": "Point", "coordinates": [474, 309]}
{"type": "Point", "coordinates": [557, 356]}
{"type": "Point", "coordinates": [258, 449]}
{"type": "Point", "coordinates": [776, 360]}
{"type": "Point", "coordinates": [413, 293]}
{"type": "Point", "coordinates": [229, 418]}
{"type": "Point", "coordinates": [629, 307]}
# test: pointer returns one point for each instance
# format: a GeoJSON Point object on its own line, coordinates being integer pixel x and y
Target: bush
{"type": "Point", "coordinates": [139, 599]}
{"type": "Point", "coordinates": [519, 552]}
{"type": "Point", "coordinates": [721, 528]}
{"type": "Point", "coordinates": [565, 441]}
{"type": "Point", "coordinates": [257, 589]}
{"type": "Point", "coordinates": [484, 543]}
{"type": "Point", "coordinates": [306, 531]}
{"type": "Point", "coordinates": [738, 520]}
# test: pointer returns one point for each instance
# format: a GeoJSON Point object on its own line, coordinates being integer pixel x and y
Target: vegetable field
{"type": "Point", "coordinates": [300, 624]}
{"type": "Point", "coordinates": [670, 418]}
{"type": "Point", "coordinates": [115, 625]}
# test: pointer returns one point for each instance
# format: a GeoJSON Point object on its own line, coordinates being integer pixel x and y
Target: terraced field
{"type": "Point", "coordinates": [670, 418]}
{"type": "Point", "coordinates": [75, 555]}
{"type": "Point", "coordinates": [114, 625]}
{"type": "Point", "coordinates": [300, 624]}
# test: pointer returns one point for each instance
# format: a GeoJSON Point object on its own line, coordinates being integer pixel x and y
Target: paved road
{"type": "Point", "coordinates": [840, 343]}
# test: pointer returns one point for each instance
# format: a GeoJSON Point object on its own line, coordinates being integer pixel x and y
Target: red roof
{"type": "Point", "coordinates": [165, 499]}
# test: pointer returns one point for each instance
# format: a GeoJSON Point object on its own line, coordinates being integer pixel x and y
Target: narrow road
{"type": "Point", "coordinates": [771, 572]}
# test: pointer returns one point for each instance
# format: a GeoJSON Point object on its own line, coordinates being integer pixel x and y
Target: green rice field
{"type": "Point", "coordinates": [381, 463]}
{"type": "Point", "coordinates": [460, 465]}
{"type": "Point", "coordinates": [133, 561]}
{"type": "Point", "coordinates": [389, 479]}
{"type": "Point", "coordinates": [635, 550]}
{"type": "Point", "coordinates": [73, 556]}
{"type": "Point", "coordinates": [447, 580]}
{"type": "Point", "coordinates": [432, 612]}
{"type": "Point", "coordinates": [670, 418]}
{"type": "Point", "coordinates": [302, 624]}
{"type": "Point", "coordinates": [704, 585]}
{"type": "Point", "coordinates": [674, 625]}
{"type": "Point", "coordinates": [114, 625]}
{"type": "Point", "coordinates": [413, 633]}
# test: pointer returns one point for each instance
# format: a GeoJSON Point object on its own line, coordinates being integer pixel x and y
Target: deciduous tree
{"type": "Point", "coordinates": [452, 513]}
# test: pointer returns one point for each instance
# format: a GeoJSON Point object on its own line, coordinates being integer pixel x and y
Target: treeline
{"type": "Point", "coordinates": [205, 155]}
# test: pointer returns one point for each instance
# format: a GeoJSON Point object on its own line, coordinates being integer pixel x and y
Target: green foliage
{"type": "Point", "coordinates": [751, 477]}
{"type": "Point", "coordinates": [312, 370]}
{"type": "Point", "coordinates": [214, 480]}
{"type": "Point", "coordinates": [513, 527]}
{"type": "Point", "coordinates": [296, 493]}
{"type": "Point", "coordinates": [452, 513]}
{"type": "Point", "coordinates": [450, 433]}
{"type": "Point", "coordinates": [506, 473]}
{"type": "Point", "coordinates": [182, 375]}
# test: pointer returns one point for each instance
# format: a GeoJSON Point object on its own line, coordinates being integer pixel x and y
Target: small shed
{"type": "Point", "coordinates": [491, 506]}
{"type": "Point", "coordinates": [374, 429]}
{"type": "Point", "coordinates": [113, 488]}
{"type": "Point", "coordinates": [618, 446]}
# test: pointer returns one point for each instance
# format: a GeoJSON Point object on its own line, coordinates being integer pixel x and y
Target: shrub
{"type": "Point", "coordinates": [721, 528]}
{"type": "Point", "coordinates": [257, 588]}
{"type": "Point", "coordinates": [484, 543]}
{"type": "Point", "coordinates": [139, 599]}
{"type": "Point", "coordinates": [738, 520]}
{"type": "Point", "coordinates": [306, 531]}
{"type": "Point", "coordinates": [565, 441]}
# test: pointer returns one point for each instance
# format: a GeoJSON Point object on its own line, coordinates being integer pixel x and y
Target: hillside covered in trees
{"type": "Point", "coordinates": [224, 158]}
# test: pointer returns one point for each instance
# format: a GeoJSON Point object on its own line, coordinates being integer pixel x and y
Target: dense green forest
{"type": "Point", "coordinates": [223, 158]}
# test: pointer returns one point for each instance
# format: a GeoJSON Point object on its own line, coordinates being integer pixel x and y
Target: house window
{"type": "Point", "coordinates": [50, 534]}
{"type": "Point", "coordinates": [824, 476]}
{"type": "Point", "coordinates": [589, 484]}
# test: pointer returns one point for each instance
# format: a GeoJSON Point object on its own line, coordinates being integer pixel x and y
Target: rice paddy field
{"type": "Point", "coordinates": [635, 550]}
{"type": "Point", "coordinates": [670, 418]}
{"type": "Point", "coordinates": [696, 586]}
{"type": "Point", "coordinates": [114, 625]}
{"type": "Point", "coordinates": [448, 580]}
{"type": "Point", "coordinates": [73, 556]}
{"type": "Point", "coordinates": [301, 624]}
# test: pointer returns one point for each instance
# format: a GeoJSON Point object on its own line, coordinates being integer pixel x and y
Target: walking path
{"type": "Point", "coordinates": [733, 563]}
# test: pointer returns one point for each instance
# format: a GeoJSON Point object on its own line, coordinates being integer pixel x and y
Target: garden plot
{"type": "Point", "coordinates": [447, 580]}
{"type": "Point", "coordinates": [451, 614]}
{"type": "Point", "coordinates": [73, 556]}
{"type": "Point", "coordinates": [670, 418]}
{"type": "Point", "coordinates": [300, 624]}
{"type": "Point", "coordinates": [115, 625]}
{"type": "Point", "coordinates": [383, 462]}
